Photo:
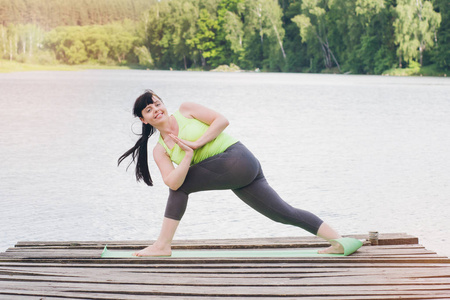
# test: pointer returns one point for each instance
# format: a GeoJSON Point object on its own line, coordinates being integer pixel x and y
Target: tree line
{"type": "Point", "coordinates": [357, 36]}
{"type": "Point", "coordinates": [48, 14]}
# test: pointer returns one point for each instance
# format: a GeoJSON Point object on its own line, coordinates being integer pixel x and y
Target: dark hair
{"type": "Point", "coordinates": [139, 150]}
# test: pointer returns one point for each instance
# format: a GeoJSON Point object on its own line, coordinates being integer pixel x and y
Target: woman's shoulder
{"type": "Point", "coordinates": [190, 109]}
{"type": "Point", "coordinates": [160, 147]}
{"type": "Point", "coordinates": [160, 143]}
{"type": "Point", "coordinates": [187, 106]}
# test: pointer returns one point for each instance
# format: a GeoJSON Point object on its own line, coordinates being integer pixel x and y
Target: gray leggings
{"type": "Point", "coordinates": [237, 169]}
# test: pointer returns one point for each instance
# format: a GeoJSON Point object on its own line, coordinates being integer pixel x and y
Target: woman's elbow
{"type": "Point", "coordinates": [174, 188]}
{"type": "Point", "coordinates": [172, 185]}
{"type": "Point", "coordinates": [225, 122]}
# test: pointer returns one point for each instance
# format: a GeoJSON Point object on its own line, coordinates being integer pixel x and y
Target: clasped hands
{"type": "Point", "coordinates": [186, 146]}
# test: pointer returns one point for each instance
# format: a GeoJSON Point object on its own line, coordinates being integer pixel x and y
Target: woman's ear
{"type": "Point", "coordinates": [142, 120]}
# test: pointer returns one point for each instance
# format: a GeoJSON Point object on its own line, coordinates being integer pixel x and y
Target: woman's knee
{"type": "Point", "coordinates": [176, 204]}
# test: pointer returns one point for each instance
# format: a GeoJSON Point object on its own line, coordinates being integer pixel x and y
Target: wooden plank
{"type": "Point", "coordinates": [261, 279]}
{"type": "Point", "coordinates": [150, 261]}
{"type": "Point", "coordinates": [12, 295]}
{"type": "Point", "coordinates": [233, 266]}
{"type": "Point", "coordinates": [95, 257]}
{"type": "Point", "coordinates": [415, 272]}
{"type": "Point", "coordinates": [214, 290]}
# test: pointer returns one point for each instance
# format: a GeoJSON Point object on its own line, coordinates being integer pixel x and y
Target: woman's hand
{"type": "Point", "coordinates": [183, 144]}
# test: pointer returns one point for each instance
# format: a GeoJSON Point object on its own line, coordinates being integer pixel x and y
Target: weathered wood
{"type": "Point", "coordinates": [224, 290]}
{"type": "Point", "coordinates": [220, 279]}
{"type": "Point", "coordinates": [74, 270]}
{"type": "Point", "coordinates": [284, 242]}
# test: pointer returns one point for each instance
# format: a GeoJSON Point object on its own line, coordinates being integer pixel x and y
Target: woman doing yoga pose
{"type": "Point", "coordinates": [207, 159]}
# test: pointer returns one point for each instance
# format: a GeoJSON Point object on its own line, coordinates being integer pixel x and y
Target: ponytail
{"type": "Point", "coordinates": [139, 151]}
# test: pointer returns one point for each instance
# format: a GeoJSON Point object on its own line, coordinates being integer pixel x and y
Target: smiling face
{"type": "Point", "coordinates": [149, 108]}
{"type": "Point", "coordinates": [154, 113]}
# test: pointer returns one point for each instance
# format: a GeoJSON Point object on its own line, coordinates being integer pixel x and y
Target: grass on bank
{"type": "Point", "coordinates": [7, 66]}
{"type": "Point", "coordinates": [416, 70]}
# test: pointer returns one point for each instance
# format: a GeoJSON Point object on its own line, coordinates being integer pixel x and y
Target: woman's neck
{"type": "Point", "coordinates": [169, 127]}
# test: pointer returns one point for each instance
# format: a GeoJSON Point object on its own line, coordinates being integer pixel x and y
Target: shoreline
{"type": "Point", "coordinates": [7, 66]}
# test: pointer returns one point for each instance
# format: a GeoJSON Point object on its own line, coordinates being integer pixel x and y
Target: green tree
{"type": "Point", "coordinates": [75, 52]}
{"type": "Point", "coordinates": [121, 41]}
{"type": "Point", "coordinates": [67, 44]}
{"type": "Point", "coordinates": [170, 26]}
{"type": "Point", "coordinates": [442, 52]}
{"type": "Point", "coordinates": [50, 14]}
{"type": "Point", "coordinates": [155, 25]}
{"type": "Point", "coordinates": [230, 34]}
{"type": "Point", "coordinates": [234, 32]}
{"type": "Point", "coordinates": [144, 57]}
{"type": "Point", "coordinates": [381, 54]}
{"type": "Point", "coordinates": [275, 29]}
{"type": "Point", "coordinates": [297, 59]}
{"type": "Point", "coordinates": [3, 40]}
{"type": "Point", "coordinates": [205, 38]}
{"type": "Point", "coordinates": [96, 42]}
{"type": "Point", "coordinates": [11, 41]}
{"type": "Point", "coordinates": [356, 37]}
{"type": "Point", "coordinates": [30, 38]}
{"type": "Point", "coordinates": [264, 34]}
{"type": "Point", "coordinates": [313, 29]}
{"type": "Point", "coordinates": [184, 30]}
{"type": "Point", "coordinates": [415, 28]}
{"type": "Point", "coordinates": [78, 44]}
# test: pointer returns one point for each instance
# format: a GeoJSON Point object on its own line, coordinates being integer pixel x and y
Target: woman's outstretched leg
{"type": "Point", "coordinates": [261, 197]}
{"type": "Point", "coordinates": [264, 199]}
{"type": "Point", "coordinates": [328, 233]}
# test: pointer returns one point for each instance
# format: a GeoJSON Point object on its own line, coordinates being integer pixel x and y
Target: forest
{"type": "Point", "coordinates": [339, 36]}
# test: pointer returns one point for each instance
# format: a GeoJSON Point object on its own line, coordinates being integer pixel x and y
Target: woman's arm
{"type": "Point", "coordinates": [173, 177]}
{"type": "Point", "coordinates": [217, 122]}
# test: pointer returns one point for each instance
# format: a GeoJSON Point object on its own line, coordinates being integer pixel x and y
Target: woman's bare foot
{"type": "Point", "coordinates": [335, 248]}
{"type": "Point", "coordinates": [153, 250]}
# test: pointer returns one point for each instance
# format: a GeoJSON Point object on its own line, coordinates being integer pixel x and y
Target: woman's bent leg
{"type": "Point", "coordinates": [163, 245]}
{"type": "Point", "coordinates": [216, 173]}
{"type": "Point", "coordinates": [176, 204]}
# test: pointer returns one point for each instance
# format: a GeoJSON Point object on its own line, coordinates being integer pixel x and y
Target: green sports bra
{"type": "Point", "coordinates": [191, 130]}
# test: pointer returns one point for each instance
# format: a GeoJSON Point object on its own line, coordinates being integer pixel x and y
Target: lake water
{"type": "Point", "coordinates": [362, 152]}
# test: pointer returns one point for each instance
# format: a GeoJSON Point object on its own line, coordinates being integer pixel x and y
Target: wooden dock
{"type": "Point", "coordinates": [398, 268]}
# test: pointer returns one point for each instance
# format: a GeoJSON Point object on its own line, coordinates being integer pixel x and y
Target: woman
{"type": "Point", "coordinates": [207, 159]}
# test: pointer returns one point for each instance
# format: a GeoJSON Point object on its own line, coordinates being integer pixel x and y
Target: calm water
{"type": "Point", "coordinates": [363, 152]}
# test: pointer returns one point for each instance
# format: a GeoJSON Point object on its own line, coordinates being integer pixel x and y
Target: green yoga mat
{"type": "Point", "coordinates": [350, 246]}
